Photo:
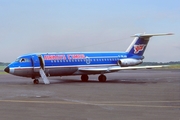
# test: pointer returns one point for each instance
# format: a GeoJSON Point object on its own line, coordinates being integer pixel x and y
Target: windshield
{"type": "Point", "coordinates": [22, 60]}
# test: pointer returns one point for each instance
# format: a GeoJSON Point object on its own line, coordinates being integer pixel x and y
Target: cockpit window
{"type": "Point", "coordinates": [17, 60]}
{"type": "Point", "coordinates": [22, 60]}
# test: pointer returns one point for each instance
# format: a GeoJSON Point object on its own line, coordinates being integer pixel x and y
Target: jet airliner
{"type": "Point", "coordinates": [44, 65]}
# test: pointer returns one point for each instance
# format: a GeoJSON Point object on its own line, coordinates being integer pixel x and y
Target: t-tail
{"type": "Point", "coordinates": [139, 44]}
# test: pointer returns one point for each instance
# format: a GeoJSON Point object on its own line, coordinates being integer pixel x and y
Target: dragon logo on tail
{"type": "Point", "coordinates": [138, 48]}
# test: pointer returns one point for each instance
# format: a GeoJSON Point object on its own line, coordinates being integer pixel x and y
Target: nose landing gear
{"type": "Point", "coordinates": [36, 81]}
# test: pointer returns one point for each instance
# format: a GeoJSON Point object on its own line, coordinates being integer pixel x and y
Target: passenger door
{"type": "Point", "coordinates": [35, 63]}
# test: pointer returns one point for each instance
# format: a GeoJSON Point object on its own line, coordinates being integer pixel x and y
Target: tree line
{"type": "Point", "coordinates": [3, 64]}
{"type": "Point", "coordinates": [161, 63]}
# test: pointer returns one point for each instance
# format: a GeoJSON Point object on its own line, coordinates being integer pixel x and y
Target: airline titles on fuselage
{"type": "Point", "coordinates": [75, 57]}
{"type": "Point", "coordinates": [64, 57]}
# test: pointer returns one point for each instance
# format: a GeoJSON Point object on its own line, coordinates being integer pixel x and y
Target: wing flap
{"type": "Point", "coordinates": [94, 69]}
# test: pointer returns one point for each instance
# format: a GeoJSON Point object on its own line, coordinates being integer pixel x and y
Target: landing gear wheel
{"type": "Point", "coordinates": [102, 78]}
{"type": "Point", "coordinates": [84, 78]}
{"type": "Point", "coordinates": [36, 81]}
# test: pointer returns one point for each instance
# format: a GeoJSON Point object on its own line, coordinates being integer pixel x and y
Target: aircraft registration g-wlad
{"type": "Point", "coordinates": [43, 65]}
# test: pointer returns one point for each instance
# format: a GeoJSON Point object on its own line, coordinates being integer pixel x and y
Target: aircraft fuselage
{"type": "Point", "coordinates": [62, 64]}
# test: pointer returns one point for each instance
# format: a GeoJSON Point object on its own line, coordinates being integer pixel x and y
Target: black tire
{"type": "Point", "coordinates": [84, 78]}
{"type": "Point", "coordinates": [102, 78]}
{"type": "Point", "coordinates": [36, 81]}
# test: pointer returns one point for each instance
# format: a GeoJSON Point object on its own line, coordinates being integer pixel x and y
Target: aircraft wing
{"type": "Point", "coordinates": [116, 68]}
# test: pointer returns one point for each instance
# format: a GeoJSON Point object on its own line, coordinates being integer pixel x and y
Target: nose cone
{"type": "Point", "coordinates": [6, 69]}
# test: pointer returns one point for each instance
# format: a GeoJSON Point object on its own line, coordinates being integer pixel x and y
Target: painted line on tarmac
{"type": "Point", "coordinates": [99, 103]}
{"type": "Point", "coordinates": [122, 102]}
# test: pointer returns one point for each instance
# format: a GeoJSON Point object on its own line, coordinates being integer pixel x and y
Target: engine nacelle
{"type": "Point", "coordinates": [129, 62]}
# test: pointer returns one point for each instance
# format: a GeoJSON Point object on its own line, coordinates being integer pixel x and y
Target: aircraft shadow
{"type": "Point", "coordinates": [132, 81]}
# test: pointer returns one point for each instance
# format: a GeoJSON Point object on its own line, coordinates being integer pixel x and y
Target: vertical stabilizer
{"type": "Point", "coordinates": [140, 42]}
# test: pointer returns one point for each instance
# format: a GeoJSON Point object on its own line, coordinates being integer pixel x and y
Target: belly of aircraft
{"type": "Point", "coordinates": [54, 71]}
{"type": "Point", "coordinates": [60, 71]}
{"type": "Point", "coordinates": [25, 72]}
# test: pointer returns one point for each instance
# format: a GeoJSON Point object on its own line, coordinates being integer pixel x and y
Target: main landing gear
{"type": "Point", "coordinates": [84, 78]}
{"type": "Point", "coordinates": [101, 78]}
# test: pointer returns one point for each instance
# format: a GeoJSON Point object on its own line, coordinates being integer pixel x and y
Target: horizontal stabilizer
{"type": "Point", "coordinates": [150, 35]}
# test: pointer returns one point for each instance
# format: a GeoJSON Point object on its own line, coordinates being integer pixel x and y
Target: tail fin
{"type": "Point", "coordinates": [140, 43]}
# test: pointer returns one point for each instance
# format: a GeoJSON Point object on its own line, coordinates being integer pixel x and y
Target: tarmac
{"type": "Point", "coordinates": [127, 95]}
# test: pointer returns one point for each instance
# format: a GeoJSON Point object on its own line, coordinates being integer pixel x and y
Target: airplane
{"type": "Point", "coordinates": [44, 65]}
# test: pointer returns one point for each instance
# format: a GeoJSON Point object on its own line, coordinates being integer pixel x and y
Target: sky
{"type": "Point", "coordinates": [30, 26]}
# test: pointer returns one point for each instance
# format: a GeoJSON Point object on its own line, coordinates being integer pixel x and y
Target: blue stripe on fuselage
{"type": "Point", "coordinates": [67, 59]}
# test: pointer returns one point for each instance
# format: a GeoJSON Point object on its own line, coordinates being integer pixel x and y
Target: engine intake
{"type": "Point", "coordinates": [129, 62]}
